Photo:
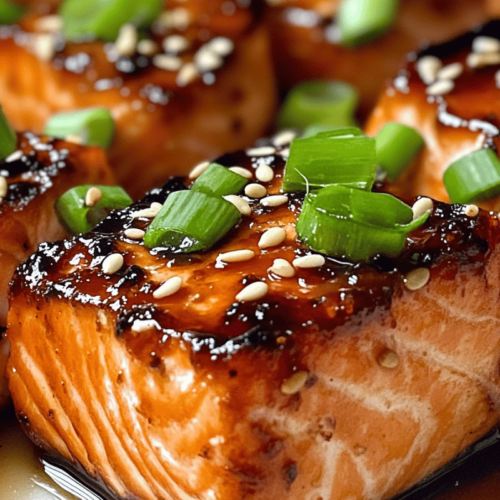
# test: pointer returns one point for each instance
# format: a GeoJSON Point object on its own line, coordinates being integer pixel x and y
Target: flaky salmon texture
{"type": "Point", "coordinates": [343, 381]}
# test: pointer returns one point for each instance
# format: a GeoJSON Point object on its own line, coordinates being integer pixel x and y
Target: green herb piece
{"type": "Point", "coordinates": [10, 12]}
{"type": "Point", "coordinates": [217, 180]}
{"type": "Point", "coordinates": [8, 137]}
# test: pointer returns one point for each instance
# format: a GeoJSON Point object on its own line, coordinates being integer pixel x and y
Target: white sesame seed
{"type": "Point", "coordinates": [471, 210]}
{"type": "Point", "coordinates": [16, 155]}
{"type": "Point", "coordinates": [3, 186]}
{"type": "Point", "coordinates": [241, 204]}
{"type": "Point", "coordinates": [242, 171]}
{"type": "Point", "coordinates": [221, 45]}
{"type": "Point", "coordinates": [450, 71]}
{"type": "Point", "coordinates": [199, 169]}
{"type": "Point", "coordinates": [206, 60]}
{"type": "Point", "coordinates": [171, 286]}
{"type": "Point", "coordinates": [255, 190]}
{"type": "Point", "coordinates": [308, 261]}
{"type": "Point", "coordinates": [388, 359]}
{"type": "Point", "coordinates": [50, 24]}
{"type": "Point", "coordinates": [147, 47]}
{"type": "Point", "coordinates": [254, 291]}
{"type": "Point", "coordinates": [264, 173]}
{"type": "Point", "coordinates": [417, 278]}
{"type": "Point", "coordinates": [126, 42]}
{"type": "Point", "coordinates": [485, 44]}
{"type": "Point", "coordinates": [74, 139]}
{"type": "Point", "coordinates": [44, 46]}
{"type": "Point", "coordinates": [156, 206]}
{"type": "Point", "coordinates": [166, 62]}
{"type": "Point", "coordinates": [421, 206]}
{"type": "Point", "coordinates": [440, 87]}
{"type": "Point", "coordinates": [174, 18]}
{"type": "Point", "coordinates": [284, 152]}
{"type": "Point", "coordinates": [148, 213]}
{"type": "Point", "coordinates": [479, 60]}
{"type": "Point", "coordinates": [272, 237]}
{"type": "Point", "coordinates": [175, 44]}
{"type": "Point", "coordinates": [187, 74]}
{"type": "Point", "coordinates": [112, 263]}
{"type": "Point", "coordinates": [427, 68]}
{"type": "Point", "coordinates": [236, 256]}
{"type": "Point", "coordinates": [282, 268]}
{"type": "Point", "coordinates": [294, 384]}
{"type": "Point", "coordinates": [284, 137]}
{"type": "Point", "coordinates": [93, 197]}
{"type": "Point", "coordinates": [274, 201]}
{"type": "Point", "coordinates": [262, 151]}
{"type": "Point", "coordinates": [134, 233]}
{"type": "Point", "coordinates": [143, 325]}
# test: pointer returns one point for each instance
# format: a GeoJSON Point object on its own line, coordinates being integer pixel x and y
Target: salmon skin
{"type": "Point", "coordinates": [37, 173]}
{"type": "Point", "coordinates": [454, 123]}
{"type": "Point", "coordinates": [173, 107]}
{"type": "Point", "coordinates": [339, 383]}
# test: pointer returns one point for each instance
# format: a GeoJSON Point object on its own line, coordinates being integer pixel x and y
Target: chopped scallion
{"type": "Point", "coordinates": [10, 12]}
{"type": "Point", "coordinates": [8, 137]}
{"type": "Point", "coordinates": [217, 180]}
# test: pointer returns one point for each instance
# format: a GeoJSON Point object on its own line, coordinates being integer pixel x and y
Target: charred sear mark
{"type": "Point", "coordinates": [290, 473]}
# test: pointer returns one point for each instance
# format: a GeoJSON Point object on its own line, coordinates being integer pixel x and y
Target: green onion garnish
{"type": "Point", "coordinates": [397, 145]}
{"type": "Point", "coordinates": [10, 12]}
{"type": "Point", "coordinates": [317, 128]}
{"type": "Point", "coordinates": [78, 217]}
{"type": "Point", "coordinates": [355, 224]}
{"type": "Point", "coordinates": [360, 21]}
{"type": "Point", "coordinates": [93, 126]}
{"type": "Point", "coordinates": [474, 177]}
{"type": "Point", "coordinates": [90, 19]}
{"type": "Point", "coordinates": [319, 101]}
{"type": "Point", "coordinates": [191, 221]}
{"type": "Point", "coordinates": [217, 180]}
{"type": "Point", "coordinates": [340, 156]}
{"type": "Point", "coordinates": [8, 137]}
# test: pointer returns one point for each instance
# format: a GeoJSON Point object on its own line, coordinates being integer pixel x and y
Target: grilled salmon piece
{"type": "Point", "coordinates": [303, 35]}
{"type": "Point", "coordinates": [170, 112]}
{"type": "Point", "coordinates": [459, 119]}
{"type": "Point", "coordinates": [339, 382]}
{"type": "Point", "coordinates": [37, 173]}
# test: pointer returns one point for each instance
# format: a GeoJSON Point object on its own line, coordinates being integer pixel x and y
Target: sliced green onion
{"type": "Point", "coordinates": [319, 101]}
{"type": "Point", "coordinates": [355, 224]}
{"type": "Point", "coordinates": [8, 137]}
{"type": "Point", "coordinates": [360, 21]}
{"type": "Point", "coordinates": [474, 177]}
{"type": "Point", "coordinates": [317, 128]}
{"type": "Point", "coordinates": [93, 126]}
{"type": "Point", "coordinates": [217, 180]}
{"type": "Point", "coordinates": [340, 156]}
{"type": "Point", "coordinates": [191, 221]}
{"type": "Point", "coordinates": [90, 19]}
{"type": "Point", "coordinates": [10, 12]}
{"type": "Point", "coordinates": [397, 146]}
{"type": "Point", "coordinates": [78, 218]}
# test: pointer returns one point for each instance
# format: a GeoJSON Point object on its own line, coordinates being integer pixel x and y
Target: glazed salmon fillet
{"type": "Point", "coordinates": [37, 173]}
{"type": "Point", "coordinates": [343, 381]}
{"type": "Point", "coordinates": [455, 116]}
{"type": "Point", "coordinates": [169, 111]}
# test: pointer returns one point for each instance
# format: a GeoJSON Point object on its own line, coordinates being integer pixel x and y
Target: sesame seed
{"type": "Point", "coordinates": [427, 68]}
{"type": "Point", "coordinates": [450, 72]}
{"type": "Point", "coordinates": [3, 186]}
{"type": "Point", "coordinates": [264, 173]}
{"type": "Point", "coordinates": [274, 200]}
{"type": "Point", "coordinates": [388, 359]}
{"type": "Point", "coordinates": [175, 44]}
{"type": "Point", "coordinates": [143, 325]}
{"type": "Point", "coordinates": [308, 261]}
{"type": "Point", "coordinates": [199, 169]}
{"type": "Point", "coordinates": [294, 384]}
{"type": "Point", "coordinates": [421, 206]}
{"type": "Point", "coordinates": [134, 234]}
{"type": "Point", "coordinates": [255, 190]}
{"type": "Point", "coordinates": [93, 197]}
{"type": "Point", "coordinates": [262, 151]}
{"type": "Point", "coordinates": [417, 278]}
{"type": "Point", "coordinates": [485, 44]}
{"type": "Point", "coordinates": [284, 137]}
{"type": "Point", "coordinates": [272, 237]}
{"type": "Point", "coordinates": [148, 213]}
{"type": "Point", "coordinates": [126, 42]}
{"type": "Point", "coordinates": [174, 18]}
{"type": "Point", "coordinates": [74, 139]}
{"type": "Point", "coordinates": [221, 45]}
{"type": "Point", "coordinates": [236, 256]}
{"type": "Point", "coordinates": [16, 155]}
{"type": "Point", "coordinates": [171, 286]}
{"type": "Point", "coordinates": [156, 206]}
{"type": "Point", "coordinates": [241, 204]}
{"type": "Point", "coordinates": [147, 47]}
{"type": "Point", "coordinates": [479, 60]}
{"type": "Point", "coordinates": [51, 24]}
{"type": "Point", "coordinates": [471, 210]}
{"type": "Point", "coordinates": [255, 291]}
{"type": "Point", "coordinates": [282, 268]}
{"type": "Point", "coordinates": [440, 87]}
{"type": "Point", "coordinates": [187, 74]}
{"type": "Point", "coordinates": [112, 263]}
{"type": "Point", "coordinates": [206, 60]}
{"type": "Point", "coordinates": [242, 171]}
{"type": "Point", "coordinates": [166, 62]}
{"type": "Point", "coordinates": [44, 46]}
{"type": "Point", "coordinates": [284, 152]}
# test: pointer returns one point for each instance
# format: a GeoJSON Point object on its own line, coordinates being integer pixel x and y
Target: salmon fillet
{"type": "Point", "coordinates": [339, 383]}
{"type": "Point", "coordinates": [39, 171]}
{"type": "Point", "coordinates": [452, 124]}
{"type": "Point", "coordinates": [165, 119]}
